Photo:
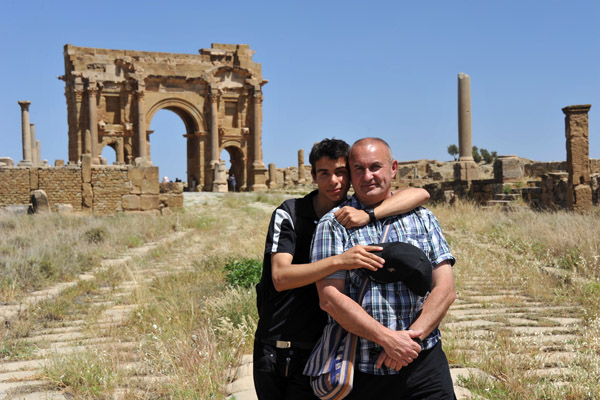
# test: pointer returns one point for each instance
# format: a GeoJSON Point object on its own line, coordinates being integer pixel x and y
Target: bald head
{"type": "Point", "coordinates": [372, 168]}
{"type": "Point", "coordinates": [372, 140]}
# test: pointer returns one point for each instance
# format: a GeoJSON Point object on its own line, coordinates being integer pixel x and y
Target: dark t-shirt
{"type": "Point", "coordinates": [290, 315]}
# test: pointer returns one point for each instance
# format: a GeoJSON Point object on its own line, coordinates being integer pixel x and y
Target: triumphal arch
{"type": "Point", "coordinates": [112, 96]}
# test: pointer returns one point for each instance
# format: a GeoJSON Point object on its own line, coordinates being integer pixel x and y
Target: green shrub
{"type": "Point", "coordinates": [244, 273]}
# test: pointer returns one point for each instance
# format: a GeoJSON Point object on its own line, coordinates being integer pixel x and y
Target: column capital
{"type": "Point", "coordinates": [257, 98]}
{"type": "Point", "coordinates": [24, 104]}
{"type": "Point", "coordinates": [140, 93]}
{"type": "Point", "coordinates": [214, 97]}
{"type": "Point", "coordinates": [92, 89]}
{"type": "Point", "coordinates": [577, 109]}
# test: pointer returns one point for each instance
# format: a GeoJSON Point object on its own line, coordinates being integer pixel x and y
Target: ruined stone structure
{"type": "Point", "coordinates": [112, 96]}
{"type": "Point", "coordinates": [85, 187]}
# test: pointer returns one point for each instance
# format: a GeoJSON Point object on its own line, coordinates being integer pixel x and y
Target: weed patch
{"type": "Point", "coordinates": [243, 273]}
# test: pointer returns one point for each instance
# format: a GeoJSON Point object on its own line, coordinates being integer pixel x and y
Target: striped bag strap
{"type": "Point", "coordinates": [363, 287]}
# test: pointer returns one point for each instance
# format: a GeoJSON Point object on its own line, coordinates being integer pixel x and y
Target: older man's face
{"type": "Point", "coordinates": [371, 172]}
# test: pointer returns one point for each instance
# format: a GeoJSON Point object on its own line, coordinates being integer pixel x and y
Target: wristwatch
{"type": "Point", "coordinates": [371, 213]}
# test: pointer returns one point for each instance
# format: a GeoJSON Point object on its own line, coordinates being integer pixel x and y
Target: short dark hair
{"type": "Point", "coordinates": [330, 148]}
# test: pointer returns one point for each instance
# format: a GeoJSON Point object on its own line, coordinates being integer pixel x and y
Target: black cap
{"type": "Point", "coordinates": [403, 262]}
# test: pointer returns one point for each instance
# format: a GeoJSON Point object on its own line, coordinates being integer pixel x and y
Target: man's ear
{"type": "Point", "coordinates": [313, 176]}
{"type": "Point", "coordinates": [394, 168]}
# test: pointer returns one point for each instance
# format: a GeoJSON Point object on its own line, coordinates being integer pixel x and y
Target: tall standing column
{"type": "Point", "coordinates": [141, 122]}
{"type": "Point", "coordinates": [92, 91]}
{"type": "Point", "coordinates": [466, 168]}
{"type": "Point", "coordinates": [38, 152]}
{"type": "Point", "coordinates": [301, 174]}
{"type": "Point", "coordinates": [26, 134]}
{"type": "Point", "coordinates": [579, 193]}
{"type": "Point", "coordinates": [257, 119]}
{"type": "Point", "coordinates": [465, 142]}
{"type": "Point", "coordinates": [214, 127]}
{"type": "Point", "coordinates": [34, 156]}
{"type": "Point", "coordinates": [259, 172]}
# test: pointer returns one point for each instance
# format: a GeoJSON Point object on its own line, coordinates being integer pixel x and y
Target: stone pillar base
{"type": "Point", "coordinates": [465, 171]}
{"type": "Point", "coordinates": [219, 187]}
{"type": "Point", "coordinates": [259, 180]}
{"type": "Point", "coordinates": [507, 168]}
{"type": "Point", "coordinates": [24, 163]}
{"type": "Point", "coordinates": [579, 198]}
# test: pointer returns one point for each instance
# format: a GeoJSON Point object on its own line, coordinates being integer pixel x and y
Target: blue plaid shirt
{"type": "Point", "coordinates": [392, 304]}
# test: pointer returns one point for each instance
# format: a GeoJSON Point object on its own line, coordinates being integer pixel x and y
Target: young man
{"type": "Point", "coordinates": [400, 352]}
{"type": "Point", "coordinates": [291, 320]}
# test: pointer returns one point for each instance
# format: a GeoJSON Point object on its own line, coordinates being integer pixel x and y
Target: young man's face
{"type": "Point", "coordinates": [372, 172]}
{"type": "Point", "coordinates": [332, 178]}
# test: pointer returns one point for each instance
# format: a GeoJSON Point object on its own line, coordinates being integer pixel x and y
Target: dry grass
{"type": "Point", "coordinates": [40, 250]}
{"type": "Point", "coordinates": [551, 258]}
{"type": "Point", "coordinates": [190, 327]}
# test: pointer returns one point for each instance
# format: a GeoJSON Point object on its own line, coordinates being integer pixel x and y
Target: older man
{"type": "Point", "coordinates": [400, 353]}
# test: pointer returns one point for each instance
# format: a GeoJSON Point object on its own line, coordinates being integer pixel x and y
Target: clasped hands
{"type": "Point", "coordinates": [402, 352]}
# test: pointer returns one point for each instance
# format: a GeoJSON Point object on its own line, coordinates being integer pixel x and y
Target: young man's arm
{"type": "Point", "coordinates": [402, 201]}
{"type": "Point", "coordinates": [287, 276]}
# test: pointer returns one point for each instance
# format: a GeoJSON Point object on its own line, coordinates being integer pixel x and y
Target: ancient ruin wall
{"type": "Point", "coordinates": [98, 189]}
{"type": "Point", "coordinates": [14, 186]}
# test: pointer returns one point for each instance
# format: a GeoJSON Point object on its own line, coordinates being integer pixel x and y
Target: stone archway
{"type": "Point", "coordinates": [217, 94]}
{"type": "Point", "coordinates": [236, 157]}
{"type": "Point", "coordinates": [193, 121]}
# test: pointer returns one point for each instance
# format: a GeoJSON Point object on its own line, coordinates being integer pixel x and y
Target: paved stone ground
{"type": "Point", "coordinates": [484, 309]}
{"type": "Point", "coordinates": [20, 379]}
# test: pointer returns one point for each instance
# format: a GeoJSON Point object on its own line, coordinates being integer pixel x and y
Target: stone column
{"type": "Point", "coordinates": [38, 152]}
{"type": "Point", "coordinates": [465, 142]}
{"type": "Point", "coordinates": [259, 172]}
{"type": "Point", "coordinates": [76, 132]}
{"type": "Point", "coordinates": [257, 119]}
{"type": "Point", "coordinates": [92, 91]}
{"type": "Point", "coordinates": [87, 142]}
{"type": "Point", "coordinates": [120, 151]}
{"type": "Point", "coordinates": [466, 168]}
{"type": "Point", "coordinates": [301, 174]}
{"type": "Point", "coordinates": [26, 134]}
{"type": "Point", "coordinates": [34, 157]}
{"type": "Point", "coordinates": [214, 127]}
{"type": "Point", "coordinates": [579, 195]}
{"type": "Point", "coordinates": [272, 176]}
{"type": "Point", "coordinates": [141, 122]}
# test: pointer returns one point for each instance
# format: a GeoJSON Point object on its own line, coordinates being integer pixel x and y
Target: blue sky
{"type": "Point", "coordinates": [344, 69]}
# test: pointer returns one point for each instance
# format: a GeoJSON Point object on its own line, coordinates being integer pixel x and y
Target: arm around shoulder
{"type": "Point", "coordinates": [401, 202]}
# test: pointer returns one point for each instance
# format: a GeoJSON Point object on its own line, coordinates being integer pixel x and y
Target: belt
{"type": "Point", "coordinates": [282, 344]}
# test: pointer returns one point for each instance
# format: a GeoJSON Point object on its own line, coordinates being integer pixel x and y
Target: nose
{"type": "Point", "coordinates": [334, 179]}
{"type": "Point", "coordinates": [368, 175]}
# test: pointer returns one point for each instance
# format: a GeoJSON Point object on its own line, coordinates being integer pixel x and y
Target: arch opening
{"type": "Point", "coordinates": [234, 161]}
{"type": "Point", "coordinates": [168, 143]}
